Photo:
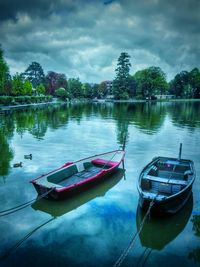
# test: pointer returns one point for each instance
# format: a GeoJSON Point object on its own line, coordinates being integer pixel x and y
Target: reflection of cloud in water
{"type": "Point", "coordinates": [82, 225]}
{"type": "Point", "coordinates": [94, 229]}
{"type": "Point", "coordinates": [59, 208]}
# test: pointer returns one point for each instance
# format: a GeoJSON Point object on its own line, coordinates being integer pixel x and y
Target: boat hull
{"type": "Point", "coordinates": [167, 206]}
{"type": "Point", "coordinates": [69, 192]}
{"type": "Point", "coordinates": [166, 183]}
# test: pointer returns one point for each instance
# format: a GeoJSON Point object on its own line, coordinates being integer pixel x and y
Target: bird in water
{"type": "Point", "coordinates": [29, 156]}
{"type": "Point", "coordinates": [16, 165]}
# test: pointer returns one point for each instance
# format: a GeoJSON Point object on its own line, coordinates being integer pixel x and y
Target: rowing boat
{"type": "Point", "coordinates": [76, 176]}
{"type": "Point", "coordinates": [166, 184]}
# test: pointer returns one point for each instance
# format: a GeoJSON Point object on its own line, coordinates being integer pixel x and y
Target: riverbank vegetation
{"type": "Point", "coordinates": [33, 85]}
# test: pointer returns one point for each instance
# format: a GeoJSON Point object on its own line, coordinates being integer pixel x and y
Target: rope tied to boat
{"type": "Point", "coordinates": [117, 151]}
{"type": "Point", "coordinates": [127, 250]}
{"type": "Point", "coordinates": [22, 240]}
{"type": "Point", "coordinates": [24, 205]}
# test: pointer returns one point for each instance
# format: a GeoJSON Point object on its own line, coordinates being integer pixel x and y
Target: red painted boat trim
{"type": "Point", "coordinates": [112, 164]}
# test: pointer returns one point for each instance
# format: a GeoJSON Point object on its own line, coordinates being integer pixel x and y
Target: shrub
{"type": "Point", "coordinates": [61, 92]}
{"type": "Point", "coordinates": [6, 100]}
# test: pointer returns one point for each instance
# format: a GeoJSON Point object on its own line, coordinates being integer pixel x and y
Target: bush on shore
{"type": "Point", "coordinates": [20, 100]}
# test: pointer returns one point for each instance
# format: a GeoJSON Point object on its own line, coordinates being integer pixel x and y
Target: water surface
{"type": "Point", "coordinates": [94, 228]}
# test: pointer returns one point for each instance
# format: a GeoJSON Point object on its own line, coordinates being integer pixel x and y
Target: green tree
{"type": "Point", "coordinates": [7, 154]}
{"type": "Point", "coordinates": [35, 74]}
{"type": "Point", "coordinates": [150, 81]}
{"type": "Point", "coordinates": [61, 92]}
{"type": "Point", "coordinates": [27, 88]}
{"type": "Point", "coordinates": [194, 80]}
{"type": "Point", "coordinates": [4, 75]}
{"type": "Point", "coordinates": [75, 87]}
{"type": "Point", "coordinates": [17, 85]}
{"type": "Point", "coordinates": [40, 89]}
{"type": "Point", "coordinates": [179, 85]}
{"type": "Point", "coordinates": [87, 90]}
{"type": "Point", "coordinates": [121, 84]}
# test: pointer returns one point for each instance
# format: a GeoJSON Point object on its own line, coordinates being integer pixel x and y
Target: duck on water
{"type": "Point", "coordinates": [166, 184]}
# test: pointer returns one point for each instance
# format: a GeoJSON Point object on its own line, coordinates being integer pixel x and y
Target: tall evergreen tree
{"type": "Point", "coordinates": [121, 84]}
{"type": "Point", "coordinates": [35, 74]}
{"type": "Point", "coordinates": [4, 75]}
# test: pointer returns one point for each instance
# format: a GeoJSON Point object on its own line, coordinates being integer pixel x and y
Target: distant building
{"type": "Point", "coordinates": [165, 96]}
{"type": "Point", "coordinates": [109, 85]}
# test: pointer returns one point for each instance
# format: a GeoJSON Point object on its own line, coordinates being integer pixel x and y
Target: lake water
{"type": "Point", "coordinates": [95, 227]}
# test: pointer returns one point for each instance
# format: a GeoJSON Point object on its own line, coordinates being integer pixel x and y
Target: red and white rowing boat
{"type": "Point", "coordinates": [75, 176]}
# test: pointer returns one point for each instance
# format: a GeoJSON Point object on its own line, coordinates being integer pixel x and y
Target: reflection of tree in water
{"type": "Point", "coordinates": [7, 154]}
{"type": "Point", "coordinates": [185, 114]}
{"type": "Point", "coordinates": [36, 121]}
{"type": "Point", "coordinates": [6, 132]}
{"type": "Point", "coordinates": [195, 253]}
{"type": "Point", "coordinates": [148, 117]}
{"type": "Point", "coordinates": [145, 116]}
{"type": "Point", "coordinates": [196, 224]}
{"type": "Point", "coordinates": [120, 114]}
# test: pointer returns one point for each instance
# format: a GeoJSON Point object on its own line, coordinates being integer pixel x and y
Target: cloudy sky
{"type": "Point", "coordinates": [84, 38]}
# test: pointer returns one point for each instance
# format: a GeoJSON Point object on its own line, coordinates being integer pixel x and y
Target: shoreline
{"type": "Point", "coordinates": [6, 108]}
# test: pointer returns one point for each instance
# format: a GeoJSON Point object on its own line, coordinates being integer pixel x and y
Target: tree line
{"type": "Point", "coordinates": [151, 82]}
{"type": "Point", "coordinates": [146, 83]}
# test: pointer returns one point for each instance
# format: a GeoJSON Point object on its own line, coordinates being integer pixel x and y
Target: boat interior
{"type": "Point", "coordinates": [76, 173]}
{"type": "Point", "coordinates": [166, 176]}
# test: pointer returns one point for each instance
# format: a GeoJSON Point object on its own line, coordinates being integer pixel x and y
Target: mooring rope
{"type": "Point", "coordinates": [141, 256]}
{"type": "Point", "coordinates": [23, 205]}
{"type": "Point", "coordinates": [146, 257]}
{"type": "Point", "coordinates": [127, 250]}
{"type": "Point", "coordinates": [109, 160]}
{"type": "Point", "coordinates": [14, 247]}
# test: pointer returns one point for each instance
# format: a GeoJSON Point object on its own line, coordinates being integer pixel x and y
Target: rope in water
{"type": "Point", "coordinates": [23, 205]}
{"type": "Point", "coordinates": [14, 247]}
{"type": "Point", "coordinates": [127, 250]}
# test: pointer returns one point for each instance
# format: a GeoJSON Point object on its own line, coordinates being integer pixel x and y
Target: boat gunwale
{"type": "Point", "coordinates": [67, 164]}
{"type": "Point", "coordinates": [165, 197]}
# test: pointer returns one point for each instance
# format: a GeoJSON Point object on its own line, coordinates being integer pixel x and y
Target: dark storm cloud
{"type": "Point", "coordinates": [85, 38]}
{"type": "Point", "coordinates": [10, 9]}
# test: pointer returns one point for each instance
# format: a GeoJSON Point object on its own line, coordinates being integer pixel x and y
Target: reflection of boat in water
{"type": "Point", "coordinates": [157, 232]}
{"type": "Point", "coordinates": [56, 209]}
{"type": "Point", "coordinates": [64, 206]}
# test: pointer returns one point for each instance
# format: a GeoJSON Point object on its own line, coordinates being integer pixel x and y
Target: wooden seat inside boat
{"type": "Point", "coordinates": [76, 173]}
{"type": "Point", "coordinates": [106, 163]}
{"type": "Point", "coordinates": [169, 171]}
